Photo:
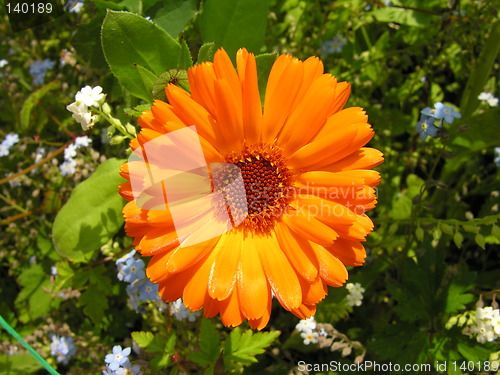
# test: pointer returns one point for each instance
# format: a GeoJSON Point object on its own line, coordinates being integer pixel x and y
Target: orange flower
{"type": "Point", "coordinates": [236, 204]}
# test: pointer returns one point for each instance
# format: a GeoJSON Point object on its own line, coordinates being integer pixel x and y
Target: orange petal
{"type": "Point", "coordinates": [332, 271]}
{"type": "Point", "coordinates": [364, 158]}
{"type": "Point", "coordinates": [201, 80]}
{"type": "Point", "coordinates": [252, 109]}
{"type": "Point", "coordinates": [157, 267]}
{"type": "Point", "coordinates": [283, 85]}
{"type": "Point", "coordinates": [224, 69]}
{"type": "Point", "coordinates": [185, 256]}
{"type": "Point", "coordinates": [304, 311]}
{"type": "Point", "coordinates": [157, 241]}
{"type": "Point", "coordinates": [339, 179]}
{"type": "Point", "coordinates": [298, 252]}
{"type": "Point", "coordinates": [262, 322]}
{"type": "Point", "coordinates": [192, 113]}
{"type": "Point", "coordinates": [313, 292]}
{"type": "Point", "coordinates": [351, 253]}
{"type": "Point", "coordinates": [310, 228]}
{"type": "Point", "coordinates": [226, 266]}
{"type": "Point", "coordinates": [228, 109]}
{"type": "Point", "coordinates": [196, 293]}
{"type": "Point", "coordinates": [280, 274]}
{"type": "Point", "coordinates": [253, 288]}
{"type": "Point", "coordinates": [230, 312]}
{"type": "Point", "coordinates": [309, 116]}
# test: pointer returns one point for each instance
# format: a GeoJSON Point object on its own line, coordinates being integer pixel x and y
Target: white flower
{"type": "Point", "coordinates": [3, 62]}
{"type": "Point", "coordinates": [68, 167]}
{"type": "Point", "coordinates": [485, 96]}
{"type": "Point", "coordinates": [493, 102]}
{"type": "Point", "coordinates": [309, 337]}
{"type": "Point", "coordinates": [82, 115]}
{"type": "Point", "coordinates": [306, 325]}
{"type": "Point", "coordinates": [39, 154]}
{"type": "Point", "coordinates": [489, 98]}
{"type": "Point", "coordinates": [70, 152]}
{"type": "Point", "coordinates": [83, 141]}
{"type": "Point", "coordinates": [77, 7]}
{"type": "Point", "coordinates": [11, 139]}
{"type": "Point", "coordinates": [4, 150]}
{"type": "Point", "coordinates": [355, 296]}
{"type": "Point", "coordinates": [90, 96]}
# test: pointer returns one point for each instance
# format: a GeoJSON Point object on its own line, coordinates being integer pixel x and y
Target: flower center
{"type": "Point", "coordinates": [267, 183]}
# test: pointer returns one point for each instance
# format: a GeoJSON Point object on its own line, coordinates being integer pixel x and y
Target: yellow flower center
{"type": "Point", "coordinates": [267, 187]}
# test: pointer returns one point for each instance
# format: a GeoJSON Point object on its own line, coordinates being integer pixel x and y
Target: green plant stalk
{"type": "Point", "coordinates": [114, 122]}
{"type": "Point", "coordinates": [480, 72]}
{"type": "Point", "coordinates": [32, 351]}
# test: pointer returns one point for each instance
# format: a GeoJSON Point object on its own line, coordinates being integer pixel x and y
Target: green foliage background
{"type": "Point", "coordinates": [434, 251]}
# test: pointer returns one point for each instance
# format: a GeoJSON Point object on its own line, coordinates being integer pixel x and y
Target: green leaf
{"type": "Point", "coordinates": [462, 281]}
{"type": "Point", "coordinates": [264, 64]}
{"type": "Point", "coordinates": [495, 231]}
{"type": "Point", "coordinates": [148, 79]}
{"type": "Point", "coordinates": [209, 345]}
{"type": "Point", "coordinates": [143, 339]}
{"type": "Point", "coordinates": [480, 241]}
{"type": "Point", "coordinates": [174, 15]}
{"type": "Point", "coordinates": [92, 214]}
{"type": "Point", "coordinates": [480, 72]}
{"type": "Point", "coordinates": [458, 239]}
{"type": "Point", "coordinates": [206, 52]}
{"type": "Point", "coordinates": [243, 347]}
{"type": "Point", "coordinates": [234, 24]}
{"type": "Point", "coordinates": [479, 135]}
{"type": "Point", "coordinates": [86, 42]}
{"type": "Point", "coordinates": [32, 100]}
{"type": "Point", "coordinates": [185, 59]}
{"type": "Point", "coordinates": [33, 281]}
{"type": "Point", "coordinates": [473, 352]}
{"type": "Point", "coordinates": [136, 111]}
{"type": "Point", "coordinates": [446, 228]}
{"type": "Point", "coordinates": [129, 39]}
{"type": "Point", "coordinates": [135, 6]}
{"type": "Point", "coordinates": [419, 233]}
{"type": "Point", "coordinates": [19, 364]}
{"type": "Point", "coordinates": [402, 16]}
{"type": "Point", "coordinates": [94, 302]}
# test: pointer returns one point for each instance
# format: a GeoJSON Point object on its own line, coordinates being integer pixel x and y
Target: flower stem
{"type": "Point", "coordinates": [32, 351]}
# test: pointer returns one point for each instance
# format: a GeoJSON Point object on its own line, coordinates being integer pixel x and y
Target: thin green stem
{"type": "Point", "coordinates": [114, 122]}
{"type": "Point", "coordinates": [32, 351]}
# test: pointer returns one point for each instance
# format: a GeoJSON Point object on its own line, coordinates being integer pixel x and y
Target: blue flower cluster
{"type": "Point", "coordinates": [497, 156]}
{"type": "Point", "coordinates": [432, 118]}
{"type": "Point", "coordinates": [63, 348]}
{"type": "Point", "coordinates": [117, 363]}
{"type": "Point", "coordinates": [38, 70]}
{"type": "Point", "coordinates": [140, 289]}
{"type": "Point", "coordinates": [9, 141]}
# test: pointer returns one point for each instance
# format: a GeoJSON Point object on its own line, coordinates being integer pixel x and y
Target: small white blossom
{"type": "Point", "coordinates": [309, 337]}
{"type": "Point", "coordinates": [82, 115]}
{"type": "Point", "coordinates": [68, 167]}
{"type": "Point", "coordinates": [90, 96]}
{"type": "Point", "coordinates": [70, 152]}
{"type": "Point", "coordinates": [355, 296]}
{"type": "Point", "coordinates": [39, 154]}
{"type": "Point", "coordinates": [3, 62]}
{"type": "Point", "coordinates": [488, 98]}
{"type": "Point", "coordinates": [306, 325]}
{"type": "Point", "coordinates": [83, 141]}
